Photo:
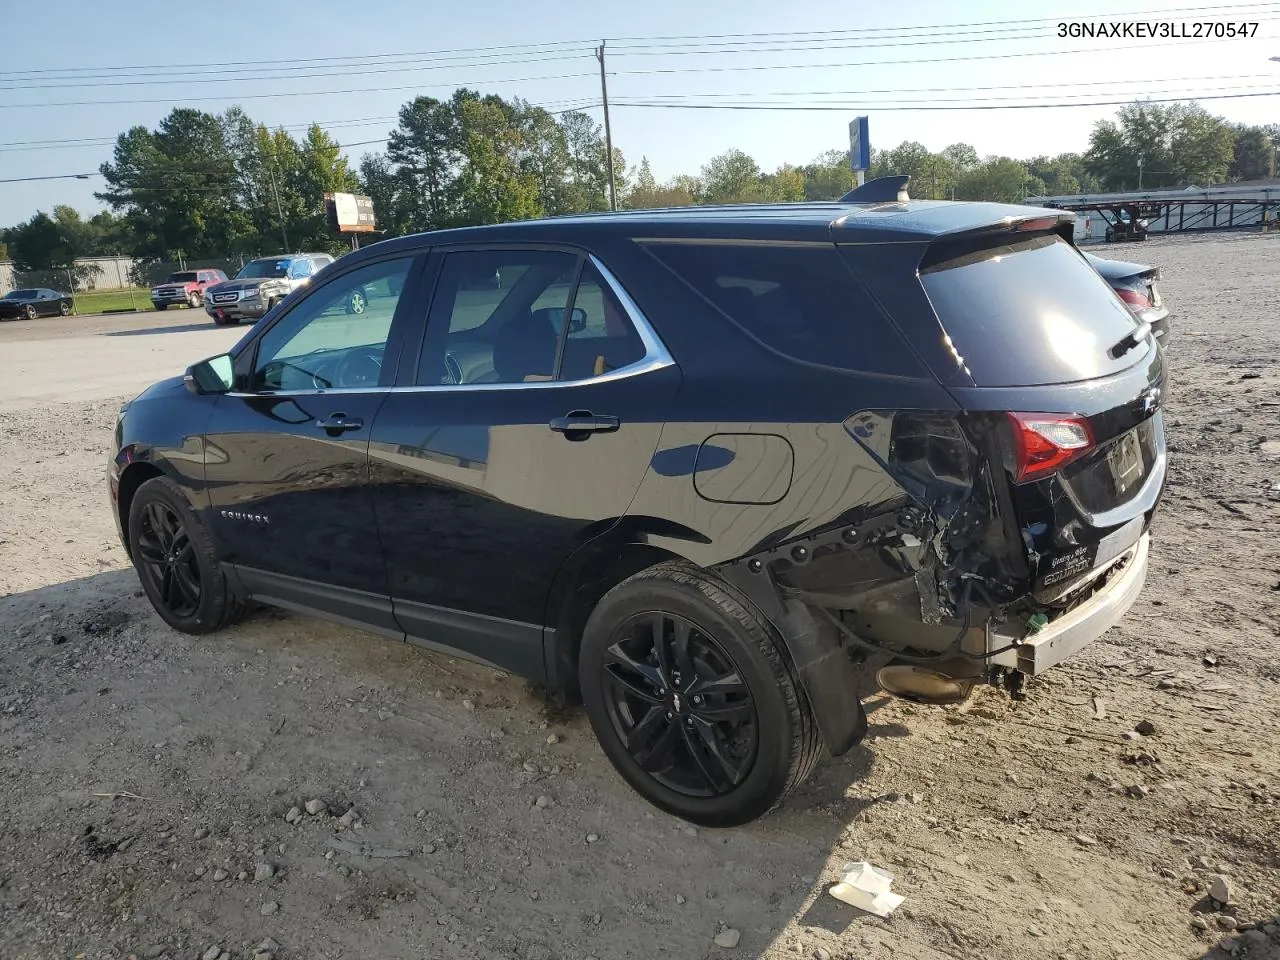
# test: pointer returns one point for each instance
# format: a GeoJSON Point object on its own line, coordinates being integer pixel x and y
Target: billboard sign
{"type": "Point", "coordinates": [859, 145]}
{"type": "Point", "coordinates": [349, 213]}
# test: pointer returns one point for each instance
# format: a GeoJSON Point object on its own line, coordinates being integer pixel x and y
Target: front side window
{"type": "Point", "coordinates": [500, 317]}
{"type": "Point", "coordinates": [334, 337]}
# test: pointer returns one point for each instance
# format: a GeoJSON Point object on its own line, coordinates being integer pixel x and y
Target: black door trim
{"type": "Point", "coordinates": [503, 644]}
{"type": "Point", "coordinates": [354, 608]}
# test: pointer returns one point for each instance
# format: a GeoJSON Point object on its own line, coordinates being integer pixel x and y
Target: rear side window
{"type": "Point", "coordinates": [799, 299]}
{"type": "Point", "coordinates": [1027, 313]}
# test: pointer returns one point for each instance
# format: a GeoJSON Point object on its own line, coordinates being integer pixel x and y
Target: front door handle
{"type": "Point", "coordinates": [580, 424]}
{"type": "Point", "coordinates": [339, 423]}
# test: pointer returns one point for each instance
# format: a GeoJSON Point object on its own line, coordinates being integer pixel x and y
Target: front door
{"type": "Point", "coordinates": [286, 462]}
{"type": "Point", "coordinates": [522, 437]}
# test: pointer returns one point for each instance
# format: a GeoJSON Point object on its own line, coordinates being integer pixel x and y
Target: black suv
{"type": "Point", "coordinates": [714, 471]}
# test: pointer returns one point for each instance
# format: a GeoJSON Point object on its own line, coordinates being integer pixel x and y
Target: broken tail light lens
{"type": "Point", "coordinates": [1044, 443]}
{"type": "Point", "coordinates": [1133, 299]}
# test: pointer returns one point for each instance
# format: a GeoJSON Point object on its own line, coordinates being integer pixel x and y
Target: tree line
{"type": "Point", "coordinates": [204, 185]}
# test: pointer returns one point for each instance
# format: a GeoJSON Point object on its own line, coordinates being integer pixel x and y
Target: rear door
{"type": "Point", "coordinates": [1022, 324]}
{"type": "Point", "coordinates": [513, 438]}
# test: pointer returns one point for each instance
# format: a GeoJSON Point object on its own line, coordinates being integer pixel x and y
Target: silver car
{"type": "Point", "coordinates": [260, 285]}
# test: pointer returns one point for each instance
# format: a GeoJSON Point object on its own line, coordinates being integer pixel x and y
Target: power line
{"type": "Point", "coordinates": [1195, 93]}
{"type": "Point", "coordinates": [863, 44]}
{"type": "Point", "coordinates": [928, 60]}
{"type": "Point", "coordinates": [528, 47]}
{"type": "Point", "coordinates": [919, 105]}
{"type": "Point", "coordinates": [296, 93]}
{"type": "Point", "coordinates": [953, 89]}
{"type": "Point", "coordinates": [1110, 15]}
{"type": "Point", "coordinates": [187, 79]}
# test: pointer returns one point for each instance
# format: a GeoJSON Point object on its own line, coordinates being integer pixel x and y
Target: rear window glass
{"type": "Point", "coordinates": [799, 299]}
{"type": "Point", "coordinates": [1027, 313]}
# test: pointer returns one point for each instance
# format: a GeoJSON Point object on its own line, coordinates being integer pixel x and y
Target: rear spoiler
{"type": "Point", "coordinates": [879, 190]}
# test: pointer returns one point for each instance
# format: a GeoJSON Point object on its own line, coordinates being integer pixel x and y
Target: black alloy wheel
{"type": "Point", "coordinates": [679, 705]}
{"type": "Point", "coordinates": [694, 698]}
{"type": "Point", "coordinates": [167, 558]}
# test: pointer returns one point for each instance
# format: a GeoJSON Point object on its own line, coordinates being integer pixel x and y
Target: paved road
{"type": "Point", "coordinates": [99, 356]}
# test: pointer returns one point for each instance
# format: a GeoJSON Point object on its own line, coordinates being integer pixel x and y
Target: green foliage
{"type": "Point", "coordinates": [1254, 154]}
{"type": "Point", "coordinates": [1178, 144]}
{"type": "Point", "coordinates": [203, 185]}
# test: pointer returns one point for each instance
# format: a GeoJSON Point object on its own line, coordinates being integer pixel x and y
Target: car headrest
{"type": "Point", "coordinates": [524, 346]}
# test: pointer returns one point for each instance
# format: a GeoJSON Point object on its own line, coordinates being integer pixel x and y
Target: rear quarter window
{"type": "Point", "coordinates": [798, 299]}
{"type": "Point", "coordinates": [1027, 313]}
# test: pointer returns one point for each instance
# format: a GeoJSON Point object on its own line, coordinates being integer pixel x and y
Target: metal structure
{"type": "Point", "coordinates": [1133, 216]}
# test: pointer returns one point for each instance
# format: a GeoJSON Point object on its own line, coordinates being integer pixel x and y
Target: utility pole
{"type": "Point", "coordinates": [608, 134]}
{"type": "Point", "coordinates": [271, 175]}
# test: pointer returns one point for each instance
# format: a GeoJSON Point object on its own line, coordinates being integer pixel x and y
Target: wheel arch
{"type": "Point", "coordinates": [590, 572]}
{"type": "Point", "coordinates": [131, 478]}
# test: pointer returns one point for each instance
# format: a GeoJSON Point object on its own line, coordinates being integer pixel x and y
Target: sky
{"type": "Point", "coordinates": [76, 70]}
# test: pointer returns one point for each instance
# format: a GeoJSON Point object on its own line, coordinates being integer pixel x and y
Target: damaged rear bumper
{"type": "Point", "coordinates": [1062, 638]}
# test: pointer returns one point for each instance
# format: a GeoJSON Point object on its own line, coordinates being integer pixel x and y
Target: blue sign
{"type": "Point", "coordinates": [859, 145]}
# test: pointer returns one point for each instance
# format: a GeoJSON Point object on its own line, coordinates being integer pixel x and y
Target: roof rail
{"type": "Point", "coordinates": [879, 190]}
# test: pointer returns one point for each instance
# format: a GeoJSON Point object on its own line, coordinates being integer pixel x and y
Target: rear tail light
{"type": "Point", "coordinates": [1044, 443]}
{"type": "Point", "coordinates": [1133, 298]}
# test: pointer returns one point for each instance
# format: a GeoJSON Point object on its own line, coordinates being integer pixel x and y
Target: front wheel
{"type": "Point", "coordinates": [159, 306]}
{"type": "Point", "coordinates": [29, 313]}
{"type": "Point", "coordinates": [64, 308]}
{"type": "Point", "coordinates": [694, 699]}
{"type": "Point", "coordinates": [195, 300]}
{"type": "Point", "coordinates": [175, 561]}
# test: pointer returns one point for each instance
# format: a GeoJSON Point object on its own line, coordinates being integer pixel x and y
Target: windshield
{"type": "Point", "coordinates": [1027, 313]}
{"type": "Point", "coordinates": [20, 295]}
{"type": "Point", "coordinates": [264, 269]}
{"type": "Point", "coordinates": [183, 278]}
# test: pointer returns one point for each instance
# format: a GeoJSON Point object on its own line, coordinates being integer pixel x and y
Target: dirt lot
{"type": "Point", "coordinates": [145, 776]}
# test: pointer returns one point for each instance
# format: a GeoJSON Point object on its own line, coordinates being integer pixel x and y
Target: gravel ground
{"type": "Point", "coordinates": [149, 780]}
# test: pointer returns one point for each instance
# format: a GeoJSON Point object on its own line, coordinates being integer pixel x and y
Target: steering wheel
{"type": "Point", "coordinates": [359, 368]}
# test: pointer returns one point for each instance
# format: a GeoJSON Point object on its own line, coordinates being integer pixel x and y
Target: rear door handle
{"type": "Point", "coordinates": [580, 424]}
{"type": "Point", "coordinates": [339, 423]}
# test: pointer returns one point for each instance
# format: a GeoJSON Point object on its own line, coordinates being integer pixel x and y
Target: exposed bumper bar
{"type": "Point", "coordinates": [1075, 630]}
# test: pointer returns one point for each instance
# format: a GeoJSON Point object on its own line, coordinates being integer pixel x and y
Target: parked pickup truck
{"type": "Point", "coordinates": [260, 285]}
{"type": "Point", "coordinates": [185, 288]}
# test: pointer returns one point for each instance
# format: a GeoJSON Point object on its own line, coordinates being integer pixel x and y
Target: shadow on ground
{"type": "Point", "coordinates": [155, 331]}
{"type": "Point", "coordinates": [443, 760]}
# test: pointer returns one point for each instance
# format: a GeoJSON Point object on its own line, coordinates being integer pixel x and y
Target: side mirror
{"type": "Point", "coordinates": [215, 375]}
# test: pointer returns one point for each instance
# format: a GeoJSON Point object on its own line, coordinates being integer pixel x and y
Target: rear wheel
{"type": "Point", "coordinates": [175, 561]}
{"type": "Point", "coordinates": [694, 699]}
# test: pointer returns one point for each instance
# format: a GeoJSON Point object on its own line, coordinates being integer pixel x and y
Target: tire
{"type": "Point", "coordinates": [225, 321]}
{"type": "Point", "coordinates": [357, 302]}
{"type": "Point", "coordinates": [162, 526]}
{"type": "Point", "coordinates": [195, 300]}
{"type": "Point", "coordinates": [730, 647]}
{"type": "Point", "coordinates": [64, 308]}
{"type": "Point", "coordinates": [30, 312]}
{"type": "Point", "coordinates": [160, 306]}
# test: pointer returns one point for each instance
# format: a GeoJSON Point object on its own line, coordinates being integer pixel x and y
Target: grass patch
{"type": "Point", "coordinates": [100, 301]}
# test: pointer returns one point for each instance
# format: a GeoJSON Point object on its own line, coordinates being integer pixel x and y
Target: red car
{"type": "Point", "coordinates": [185, 288]}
